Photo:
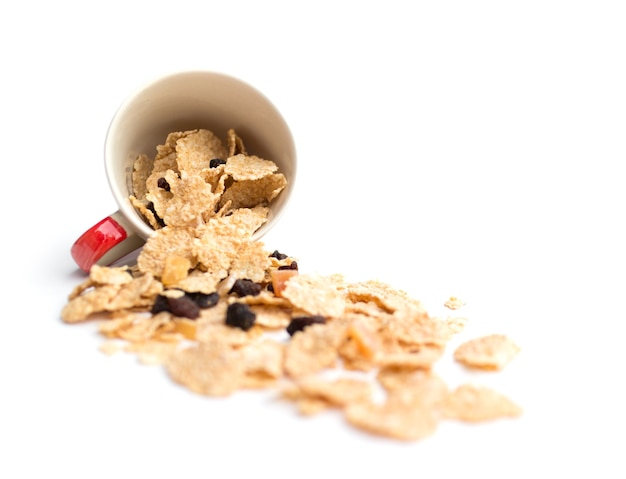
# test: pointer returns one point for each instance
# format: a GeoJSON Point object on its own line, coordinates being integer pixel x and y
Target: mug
{"type": "Point", "coordinates": [179, 102]}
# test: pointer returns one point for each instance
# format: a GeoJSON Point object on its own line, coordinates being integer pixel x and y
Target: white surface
{"type": "Point", "coordinates": [451, 148]}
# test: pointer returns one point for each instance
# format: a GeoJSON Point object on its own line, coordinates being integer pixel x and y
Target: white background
{"type": "Point", "coordinates": [470, 148]}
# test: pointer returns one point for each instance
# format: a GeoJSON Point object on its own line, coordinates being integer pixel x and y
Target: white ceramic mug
{"type": "Point", "coordinates": [178, 102]}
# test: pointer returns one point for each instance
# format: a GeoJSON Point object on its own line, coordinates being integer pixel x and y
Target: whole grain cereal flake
{"type": "Point", "coordinates": [315, 294]}
{"type": "Point", "coordinates": [454, 303]}
{"type": "Point", "coordinates": [242, 167]}
{"type": "Point", "coordinates": [475, 403]}
{"type": "Point", "coordinates": [195, 151]}
{"type": "Point", "coordinates": [210, 369]}
{"type": "Point", "coordinates": [491, 352]}
{"type": "Point", "coordinates": [393, 419]}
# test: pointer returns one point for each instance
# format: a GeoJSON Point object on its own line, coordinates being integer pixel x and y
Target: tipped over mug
{"type": "Point", "coordinates": [180, 102]}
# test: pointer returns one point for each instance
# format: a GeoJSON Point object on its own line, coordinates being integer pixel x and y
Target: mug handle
{"type": "Point", "coordinates": [106, 242]}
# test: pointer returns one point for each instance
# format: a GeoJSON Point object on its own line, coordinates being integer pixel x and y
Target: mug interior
{"type": "Point", "coordinates": [187, 101]}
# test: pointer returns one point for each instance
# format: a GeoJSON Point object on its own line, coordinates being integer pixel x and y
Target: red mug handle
{"type": "Point", "coordinates": [105, 242]}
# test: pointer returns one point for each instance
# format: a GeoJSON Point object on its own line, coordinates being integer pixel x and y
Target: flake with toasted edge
{"type": "Point", "coordinates": [110, 275]}
{"type": "Point", "coordinates": [167, 150]}
{"type": "Point", "coordinates": [195, 151]}
{"type": "Point", "coordinates": [220, 239]}
{"type": "Point", "coordinates": [210, 369]}
{"type": "Point", "coordinates": [235, 143]}
{"type": "Point", "coordinates": [417, 329]}
{"type": "Point", "coordinates": [338, 392]}
{"type": "Point", "coordinates": [248, 193]}
{"type": "Point", "coordinates": [474, 403]}
{"type": "Point", "coordinates": [492, 352]}
{"type": "Point", "coordinates": [142, 327]}
{"type": "Point", "coordinates": [421, 387]}
{"type": "Point", "coordinates": [241, 167]}
{"type": "Point", "coordinates": [199, 282]}
{"type": "Point", "coordinates": [270, 317]}
{"type": "Point", "coordinates": [315, 294]}
{"type": "Point", "coordinates": [218, 332]}
{"type": "Point", "coordinates": [163, 243]}
{"type": "Point", "coordinates": [146, 212]}
{"type": "Point", "coordinates": [80, 288]}
{"type": "Point", "coordinates": [251, 261]}
{"type": "Point", "coordinates": [423, 357]}
{"type": "Point", "coordinates": [140, 292]}
{"type": "Point", "coordinates": [92, 301]}
{"type": "Point", "coordinates": [266, 298]}
{"type": "Point", "coordinates": [313, 349]}
{"type": "Point", "coordinates": [263, 358]}
{"type": "Point", "coordinates": [116, 323]}
{"type": "Point", "coordinates": [142, 166]}
{"type": "Point", "coordinates": [214, 177]}
{"type": "Point", "coordinates": [383, 295]}
{"type": "Point", "coordinates": [393, 419]}
{"type": "Point", "coordinates": [191, 198]}
{"type": "Point", "coordinates": [363, 333]}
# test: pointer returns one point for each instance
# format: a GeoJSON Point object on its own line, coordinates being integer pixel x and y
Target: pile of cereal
{"type": "Point", "coordinates": [222, 314]}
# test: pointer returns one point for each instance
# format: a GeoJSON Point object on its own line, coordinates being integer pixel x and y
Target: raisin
{"type": "Point", "coordinates": [160, 221]}
{"type": "Point", "coordinates": [293, 265]}
{"type": "Point", "coordinates": [279, 256]}
{"type": "Point", "coordinates": [215, 162]}
{"type": "Point", "coordinates": [162, 183]}
{"type": "Point", "coordinates": [301, 322]}
{"type": "Point", "coordinates": [204, 300]}
{"type": "Point", "coordinates": [184, 307]}
{"type": "Point", "coordinates": [239, 315]}
{"type": "Point", "coordinates": [160, 304]}
{"type": "Point", "coordinates": [246, 287]}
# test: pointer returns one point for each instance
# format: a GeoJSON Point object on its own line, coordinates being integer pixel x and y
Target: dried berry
{"type": "Point", "coordinates": [301, 322]}
{"type": "Point", "coordinates": [162, 183]}
{"type": "Point", "coordinates": [215, 162]}
{"type": "Point", "coordinates": [292, 265]}
{"type": "Point", "coordinates": [204, 300]}
{"type": "Point", "coordinates": [246, 287]}
{"type": "Point", "coordinates": [160, 304]}
{"type": "Point", "coordinates": [184, 307]}
{"type": "Point", "coordinates": [279, 256]}
{"type": "Point", "coordinates": [159, 220]}
{"type": "Point", "coordinates": [239, 315]}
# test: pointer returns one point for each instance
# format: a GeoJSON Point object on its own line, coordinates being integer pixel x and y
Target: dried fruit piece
{"type": "Point", "coordinates": [300, 322]}
{"type": "Point", "coordinates": [279, 279]}
{"type": "Point", "coordinates": [184, 307]}
{"type": "Point", "coordinates": [246, 287]}
{"type": "Point", "coordinates": [175, 269]}
{"type": "Point", "coordinates": [204, 300]}
{"type": "Point", "coordinates": [240, 315]}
